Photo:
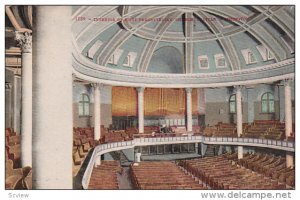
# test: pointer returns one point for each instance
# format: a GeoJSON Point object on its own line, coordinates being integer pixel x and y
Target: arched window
{"type": "Point", "coordinates": [84, 105]}
{"type": "Point", "coordinates": [267, 103]}
{"type": "Point", "coordinates": [232, 104]}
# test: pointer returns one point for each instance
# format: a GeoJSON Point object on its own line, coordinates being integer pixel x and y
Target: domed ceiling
{"type": "Point", "coordinates": [183, 39]}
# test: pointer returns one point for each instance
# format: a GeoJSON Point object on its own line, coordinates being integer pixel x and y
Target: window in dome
{"type": "Point", "coordinates": [84, 105]}
{"type": "Point", "coordinates": [265, 53]}
{"type": "Point", "coordinates": [232, 104]}
{"type": "Point", "coordinates": [112, 60]}
{"type": "Point", "coordinates": [267, 103]}
{"type": "Point", "coordinates": [203, 62]}
{"type": "Point", "coordinates": [251, 58]}
{"type": "Point", "coordinates": [220, 61]}
{"type": "Point", "coordinates": [270, 55]}
{"type": "Point", "coordinates": [126, 61]}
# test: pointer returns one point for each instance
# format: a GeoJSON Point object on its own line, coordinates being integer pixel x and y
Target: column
{"type": "Point", "coordinates": [203, 149]}
{"type": "Point", "coordinates": [288, 118]}
{"type": "Point", "coordinates": [141, 108]}
{"type": "Point", "coordinates": [137, 157]}
{"type": "Point", "coordinates": [16, 106]}
{"type": "Point", "coordinates": [189, 124]}
{"type": "Point", "coordinates": [239, 116]}
{"type": "Point", "coordinates": [8, 95]}
{"type": "Point", "coordinates": [240, 152]}
{"type": "Point", "coordinates": [25, 41]}
{"type": "Point", "coordinates": [97, 111]}
{"type": "Point", "coordinates": [250, 104]}
{"type": "Point", "coordinates": [289, 159]}
{"type": "Point", "coordinates": [288, 108]}
{"type": "Point", "coordinates": [52, 98]}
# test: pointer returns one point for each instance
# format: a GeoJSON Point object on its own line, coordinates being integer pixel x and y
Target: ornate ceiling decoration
{"type": "Point", "coordinates": [186, 25]}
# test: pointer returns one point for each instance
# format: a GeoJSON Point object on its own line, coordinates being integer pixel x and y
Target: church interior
{"type": "Point", "coordinates": [150, 97]}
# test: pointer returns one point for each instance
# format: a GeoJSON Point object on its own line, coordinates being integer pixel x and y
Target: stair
{"type": "Point", "coordinates": [211, 150]}
{"type": "Point", "coordinates": [124, 160]}
{"type": "Point", "coordinates": [115, 155]}
{"type": "Point", "coordinates": [119, 155]}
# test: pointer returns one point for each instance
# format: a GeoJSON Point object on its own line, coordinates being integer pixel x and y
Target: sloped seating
{"type": "Point", "coordinates": [221, 173]}
{"type": "Point", "coordinates": [268, 129]}
{"type": "Point", "coordinates": [269, 166]}
{"type": "Point", "coordinates": [104, 177]}
{"type": "Point", "coordinates": [209, 131]}
{"type": "Point", "coordinates": [161, 175]}
{"type": "Point", "coordinates": [225, 130]}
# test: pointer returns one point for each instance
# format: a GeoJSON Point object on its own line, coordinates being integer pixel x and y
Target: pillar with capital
{"type": "Point", "coordinates": [97, 110]}
{"type": "Point", "coordinates": [189, 124]}
{"type": "Point", "coordinates": [140, 91]}
{"type": "Point", "coordinates": [25, 42]}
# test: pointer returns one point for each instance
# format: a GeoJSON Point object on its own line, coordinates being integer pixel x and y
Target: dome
{"type": "Point", "coordinates": [183, 41]}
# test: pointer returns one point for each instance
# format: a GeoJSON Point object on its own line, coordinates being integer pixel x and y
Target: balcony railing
{"type": "Point", "coordinates": [105, 148]}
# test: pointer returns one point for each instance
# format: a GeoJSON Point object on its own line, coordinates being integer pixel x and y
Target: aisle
{"type": "Point", "coordinates": [124, 180]}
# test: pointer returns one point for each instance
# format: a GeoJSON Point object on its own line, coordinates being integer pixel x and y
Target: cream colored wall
{"type": "Point", "coordinates": [88, 121]}
{"type": "Point", "coordinates": [219, 112]}
{"type": "Point", "coordinates": [258, 115]}
{"type": "Point", "coordinates": [217, 105]}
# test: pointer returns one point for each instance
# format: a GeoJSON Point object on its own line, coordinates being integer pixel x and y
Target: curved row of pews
{"type": "Point", "coordinates": [271, 166]}
{"type": "Point", "coordinates": [227, 172]}
{"type": "Point", "coordinates": [162, 175]}
{"type": "Point", "coordinates": [104, 176]}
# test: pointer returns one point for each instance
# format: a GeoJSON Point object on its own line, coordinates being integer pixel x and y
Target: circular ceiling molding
{"type": "Point", "coordinates": [170, 24]}
{"type": "Point", "coordinates": [188, 8]}
{"type": "Point", "coordinates": [228, 34]}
